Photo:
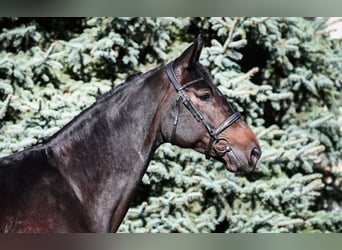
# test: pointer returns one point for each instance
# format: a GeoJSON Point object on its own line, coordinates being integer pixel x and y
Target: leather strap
{"type": "Point", "coordinates": [181, 95]}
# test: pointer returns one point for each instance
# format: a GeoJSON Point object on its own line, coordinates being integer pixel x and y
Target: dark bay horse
{"type": "Point", "coordinates": [82, 179]}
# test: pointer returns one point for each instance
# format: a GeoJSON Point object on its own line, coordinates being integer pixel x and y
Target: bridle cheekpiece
{"type": "Point", "coordinates": [214, 133]}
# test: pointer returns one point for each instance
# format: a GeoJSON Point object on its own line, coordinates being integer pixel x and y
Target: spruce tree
{"type": "Point", "coordinates": [283, 75]}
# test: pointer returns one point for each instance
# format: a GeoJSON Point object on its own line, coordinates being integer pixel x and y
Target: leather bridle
{"type": "Point", "coordinates": [214, 133]}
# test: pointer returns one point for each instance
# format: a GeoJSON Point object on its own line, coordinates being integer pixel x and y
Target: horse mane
{"type": "Point", "coordinates": [15, 160]}
{"type": "Point", "coordinates": [135, 78]}
{"type": "Point", "coordinates": [8, 161]}
{"type": "Point", "coordinates": [130, 82]}
{"type": "Point", "coordinates": [119, 86]}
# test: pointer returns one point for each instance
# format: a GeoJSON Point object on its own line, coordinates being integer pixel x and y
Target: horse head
{"type": "Point", "coordinates": [201, 118]}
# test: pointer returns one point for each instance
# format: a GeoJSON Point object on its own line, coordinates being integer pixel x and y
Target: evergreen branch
{"type": "Point", "coordinates": [247, 76]}
{"type": "Point", "coordinates": [271, 154]}
{"type": "Point", "coordinates": [290, 223]}
{"type": "Point", "coordinates": [315, 145]}
{"type": "Point", "coordinates": [49, 51]}
{"type": "Point", "coordinates": [267, 131]}
{"type": "Point", "coordinates": [321, 120]}
{"type": "Point", "coordinates": [4, 107]}
{"type": "Point", "coordinates": [230, 36]}
{"type": "Point", "coordinates": [305, 179]}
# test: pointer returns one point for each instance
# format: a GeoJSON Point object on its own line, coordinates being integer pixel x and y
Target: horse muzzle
{"type": "Point", "coordinates": [236, 161]}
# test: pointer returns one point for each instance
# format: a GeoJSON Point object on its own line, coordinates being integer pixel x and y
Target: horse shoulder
{"type": "Point", "coordinates": [31, 189]}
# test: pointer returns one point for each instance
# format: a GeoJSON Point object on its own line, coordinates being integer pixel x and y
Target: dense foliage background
{"type": "Point", "coordinates": [283, 75]}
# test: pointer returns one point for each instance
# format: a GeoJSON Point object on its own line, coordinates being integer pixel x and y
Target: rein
{"type": "Point", "coordinates": [214, 133]}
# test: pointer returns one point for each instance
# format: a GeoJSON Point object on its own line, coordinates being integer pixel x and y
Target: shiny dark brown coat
{"type": "Point", "coordinates": [82, 179]}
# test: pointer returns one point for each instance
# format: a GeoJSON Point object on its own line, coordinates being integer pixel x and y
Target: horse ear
{"type": "Point", "coordinates": [191, 55]}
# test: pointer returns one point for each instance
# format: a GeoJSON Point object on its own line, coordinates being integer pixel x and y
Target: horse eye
{"type": "Point", "coordinates": [204, 97]}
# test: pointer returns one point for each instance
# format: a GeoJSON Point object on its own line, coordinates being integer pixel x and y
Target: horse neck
{"type": "Point", "coordinates": [105, 151]}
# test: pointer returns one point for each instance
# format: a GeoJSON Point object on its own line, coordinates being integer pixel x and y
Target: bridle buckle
{"type": "Point", "coordinates": [221, 150]}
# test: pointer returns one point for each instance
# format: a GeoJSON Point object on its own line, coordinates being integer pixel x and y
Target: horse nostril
{"type": "Point", "coordinates": [255, 156]}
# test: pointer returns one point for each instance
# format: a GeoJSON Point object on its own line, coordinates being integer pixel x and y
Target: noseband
{"type": "Point", "coordinates": [214, 133]}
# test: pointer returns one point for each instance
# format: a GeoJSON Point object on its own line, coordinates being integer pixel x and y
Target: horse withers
{"type": "Point", "coordinates": [82, 179]}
